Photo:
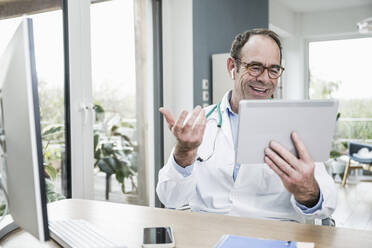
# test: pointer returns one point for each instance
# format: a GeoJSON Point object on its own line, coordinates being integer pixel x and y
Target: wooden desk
{"type": "Point", "coordinates": [124, 224]}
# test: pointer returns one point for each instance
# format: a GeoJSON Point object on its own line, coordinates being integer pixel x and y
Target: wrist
{"type": "Point", "coordinates": [309, 199]}
{"type": "Point", "coordinates": [184, 157]}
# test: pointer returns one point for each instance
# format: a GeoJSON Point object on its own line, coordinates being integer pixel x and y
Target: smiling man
{"type": "Point", "coordinates": [201, 171]}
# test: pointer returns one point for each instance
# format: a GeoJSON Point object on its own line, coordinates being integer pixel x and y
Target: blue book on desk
{"type": "Point", "coordinates": [232, 241]}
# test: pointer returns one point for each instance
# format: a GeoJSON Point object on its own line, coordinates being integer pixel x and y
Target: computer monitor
{"type": "Point", "coordinates": [20, 120]}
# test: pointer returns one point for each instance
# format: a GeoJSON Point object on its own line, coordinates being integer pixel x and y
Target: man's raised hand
{"type": "Point", "coordinates": [189, 134]}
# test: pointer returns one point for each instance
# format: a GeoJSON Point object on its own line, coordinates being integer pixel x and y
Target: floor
{"type": "Point", "coordinates": [354, 206]}
{"type": "Point", "coordinates": [115, 195]}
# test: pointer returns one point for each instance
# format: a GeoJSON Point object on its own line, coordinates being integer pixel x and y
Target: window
{"type": "Point", "coordinates": [114, 92]}
{"type": "Point", "coordinates": [341, 69]}
{"type": "Point", "coordinates": [118, 175]}
{"type": "Point", "coordinates": [48, 37]}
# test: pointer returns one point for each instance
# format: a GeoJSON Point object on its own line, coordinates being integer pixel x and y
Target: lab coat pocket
{"type": "Point", "coordinates": [271, 183]}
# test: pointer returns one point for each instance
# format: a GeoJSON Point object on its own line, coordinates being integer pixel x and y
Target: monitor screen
{"type": "Point", "coordinates": [20, 119]}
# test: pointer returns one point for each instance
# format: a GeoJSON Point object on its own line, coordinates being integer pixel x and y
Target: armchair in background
{"type": "Point", "coordinates": [353, 151]}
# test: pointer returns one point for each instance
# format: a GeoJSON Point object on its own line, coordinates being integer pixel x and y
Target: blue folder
{"type": "Point", "coordinates": [232, 241]}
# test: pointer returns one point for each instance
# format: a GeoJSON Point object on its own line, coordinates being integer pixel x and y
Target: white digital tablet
{"type": "Point", "coordinates": [261, 121]}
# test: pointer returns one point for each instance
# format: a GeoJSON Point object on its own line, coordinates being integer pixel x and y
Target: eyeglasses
{"type": "Point", "coordinates": [256, 69]}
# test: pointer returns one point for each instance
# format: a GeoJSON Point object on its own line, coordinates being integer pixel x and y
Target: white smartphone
{"type": "Point", "coordinates": [155, 237]}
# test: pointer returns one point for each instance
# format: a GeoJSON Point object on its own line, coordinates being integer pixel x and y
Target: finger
{"type": "Point", "coordinates": [279, 162]}
{"type": "Point", "coordinates": [300, 147]}
{"type": "Point", "coordinates": [272, 165]}
{"type": "Point", "coordinates": [168, 117]}
{"type": "Point", "coordinates": [179, 123]}
{"type": "Point", "coordinates": [284, 153]}
{"type": "Point", "coordinates": [194, 115]}
{"type": "Point", "coordinates": [200, 124]}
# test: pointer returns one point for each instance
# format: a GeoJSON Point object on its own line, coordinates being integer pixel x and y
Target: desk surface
{"type": "Point", "coordinates": [124, 224]}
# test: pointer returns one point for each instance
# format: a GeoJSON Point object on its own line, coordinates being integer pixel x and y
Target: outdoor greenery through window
{"type": "Point", "coordinates": [114, 92]}
{"type": "Point", "coordinates": [48, 42]}
{"type": "Point", "coordinates": [341, 69]}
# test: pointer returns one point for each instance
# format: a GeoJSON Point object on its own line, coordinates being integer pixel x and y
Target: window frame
{"type": "Point", "coordinates": [78, 99]}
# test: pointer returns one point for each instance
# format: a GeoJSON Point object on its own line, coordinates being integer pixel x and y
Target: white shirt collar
{"type": "Point", "coordinates": [228, 106]}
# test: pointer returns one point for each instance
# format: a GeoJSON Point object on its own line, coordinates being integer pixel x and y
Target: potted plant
{"type": "Point", "coordinates": [114, 152]}
{"type": "Point", "coordinates": [52, 159]}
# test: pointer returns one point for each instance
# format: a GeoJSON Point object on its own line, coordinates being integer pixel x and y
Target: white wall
{"type": "Point", "coordinates": [298, 29]}
{"type": "Point", "coordinates": [294, 59]}
{"type": "Point", "coordinates": [177, 61]}
{"type": "Point", "coordinates": [324, 24]}
{"type": "Point", "coordinates": [281, 19]}
{"type": "Point", "coordinates": [288, 25]}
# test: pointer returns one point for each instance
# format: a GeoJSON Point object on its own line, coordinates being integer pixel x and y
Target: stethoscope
{"type": "Point", "coordinates": [218, 107]}
{"type": "Point", "coordinates": [219, 124]}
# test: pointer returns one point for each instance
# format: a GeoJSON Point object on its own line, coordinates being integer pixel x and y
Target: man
{"type": "Point", "coordinates": [201, 171]}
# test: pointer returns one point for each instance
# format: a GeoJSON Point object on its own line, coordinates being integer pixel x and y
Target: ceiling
{"type": "Point", "coordinates": [319, 5]}
{"type": "Point", "coordinates": [2, 2]}
{"type": "Point", "coordinates": [295, 5]}
{"type": "Point", "coordinates": [8, 1]}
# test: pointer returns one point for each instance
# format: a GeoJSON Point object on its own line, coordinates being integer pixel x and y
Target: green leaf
{"type": "Point", "coordinates": [123, 160]}
{"type": "Point", "coordinates": [2, 209]}
{"type": "Point", "coordinates": [52, 195]}
{"type": "Point", "coordinates": [126, 124]}
{"type": "Point", "coordinates": [125, 170]}
{"type": "Point", "coordinates": [100, 113]}
{"type": "Point", "coordinates": [113, 129]}
{"type": "Point", "coordinates": [96, 140]}
{"type": "Point", "coordinates": [334, 154]}
{"type": "Point", "coordinates": [345, 145]}
{"type": "Point", "coordinates": [98, 108]}
{"type": "Point", "coordinates": [107, 148]}
{"type": "Point", "coordinates": [51, 171]}
{"type": "Point", "coordinates": [107, 165]}
{"type": "Point", "coordinates": [126, 138]}
{"type": "Point", "coordinates": [119, 153]}
{"type": "Point", "coordinates": [97, 154]}
{"type": "Point", "coordinates": [338, 116]}
{"type": "Point", "coordinates": [47, 154]}
{"type": "Point", "coordinates": [119, 176]}
{"type": "Point", "coordinates": [52, 129]}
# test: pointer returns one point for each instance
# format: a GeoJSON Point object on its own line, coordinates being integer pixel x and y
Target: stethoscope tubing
{"type": "Point", "coordinates": [219, 124]}
{"type": "Point", "coordinates": [218, 107]}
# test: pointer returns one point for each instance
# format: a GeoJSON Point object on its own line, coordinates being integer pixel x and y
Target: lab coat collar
{"type": "Point", "coordinates": [226, 128]}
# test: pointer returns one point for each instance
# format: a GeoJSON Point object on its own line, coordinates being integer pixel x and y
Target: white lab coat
{"type": "Point", "coordinates": [257, 192]}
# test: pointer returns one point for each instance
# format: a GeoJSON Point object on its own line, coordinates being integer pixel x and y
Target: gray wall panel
{"type": "Point", "coordinates": [215, 24]}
